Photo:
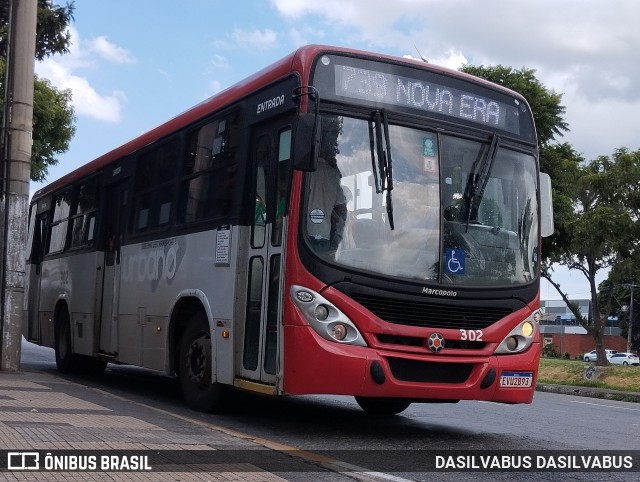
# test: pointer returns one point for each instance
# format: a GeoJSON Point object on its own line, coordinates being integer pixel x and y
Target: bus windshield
{"type": "Point", "coordinates": [464, 211]}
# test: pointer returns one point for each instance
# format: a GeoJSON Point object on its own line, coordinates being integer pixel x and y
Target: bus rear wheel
{"type": "Point", "coordinates": [66, 361]}
{"type": "Point", "coordinates": [383, 406]}
{"type": "Point", "coordinates": [195, 366]}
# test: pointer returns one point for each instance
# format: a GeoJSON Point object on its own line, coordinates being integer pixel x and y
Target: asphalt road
{"type": "Point", "coordinates": [335, 424]}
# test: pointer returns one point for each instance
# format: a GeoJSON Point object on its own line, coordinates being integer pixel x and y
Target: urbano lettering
{"type": "Point", "coordinates": [152, 264]}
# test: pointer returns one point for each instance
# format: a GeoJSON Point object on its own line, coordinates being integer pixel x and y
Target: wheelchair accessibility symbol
{"type": "Point", "coordinates": [455, 260]}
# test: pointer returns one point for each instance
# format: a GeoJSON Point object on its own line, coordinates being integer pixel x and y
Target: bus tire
{"type": "Point", "coordinates": [195, 365]}
{"type": "Point", "coordinates": [65, 359]}
{"type": "Point", "coordinates": [91, 366]}
{"type": "Point", "coordinates": [383, 406]}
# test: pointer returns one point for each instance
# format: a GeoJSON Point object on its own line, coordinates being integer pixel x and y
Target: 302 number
{"type": "Point", "coordinates": [471, 335]}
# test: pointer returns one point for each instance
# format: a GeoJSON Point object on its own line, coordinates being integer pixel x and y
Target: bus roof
{"type": "Point", "coordinates": [299, 61]}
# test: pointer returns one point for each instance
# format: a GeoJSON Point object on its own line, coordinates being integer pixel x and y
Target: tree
{"type": "Point", "coordinates": [593, 202]}
{"type": "Point", "coordinates": [53, 115]}
{"type": "Point", "coordinates": [53, 128]}
{"type": "Point", "coordinates": [624, 193]}
{"type": "Point", "coordinates": [52, 35]}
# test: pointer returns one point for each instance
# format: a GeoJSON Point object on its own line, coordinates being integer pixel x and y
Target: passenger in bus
{"type": "Point", "coordinates": [327, 210]}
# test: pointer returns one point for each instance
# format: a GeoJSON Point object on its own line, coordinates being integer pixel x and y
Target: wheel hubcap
{"type": "Point", "coordinates": [198, 360]}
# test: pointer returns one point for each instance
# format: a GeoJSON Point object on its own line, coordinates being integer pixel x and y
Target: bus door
{"type": "Point", "coordinates": [260, 344]}
{"type": "Point", "coordinates": [38, 227]}
{"type": "Point", "coordinates": [115, 204]}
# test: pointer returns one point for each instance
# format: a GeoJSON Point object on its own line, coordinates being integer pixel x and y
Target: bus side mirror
{"type": "Point", "coordinates": [546, 206]}
{"type": "Point", "coordinates": [306, 142]}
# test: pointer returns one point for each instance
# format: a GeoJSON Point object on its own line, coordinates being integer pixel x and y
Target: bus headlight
{"type": "Point", "coordinates": [339, 332]}
{"type": "Point", "coordinates": [521, 337]}
{"type": "Point", "coordinates": [325, 318]}
{"type": "Point", "coordinates": [321, 312]}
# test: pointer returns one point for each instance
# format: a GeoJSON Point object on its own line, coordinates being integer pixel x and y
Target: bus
{"type": "Point", "coordinates": [341, 222]}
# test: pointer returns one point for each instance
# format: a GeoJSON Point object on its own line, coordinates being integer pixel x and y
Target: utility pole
{"type": "Point", "coordinates": [630, 286]}
{"type": "Point", "coordinates": [17, 126]}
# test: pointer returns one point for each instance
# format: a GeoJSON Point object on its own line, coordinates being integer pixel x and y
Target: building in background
{"type": "Point", "coordinates": [560, 328]}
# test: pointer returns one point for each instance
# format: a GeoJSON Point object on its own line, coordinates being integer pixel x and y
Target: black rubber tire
{"type": "Point", "coordinates": [383, 406]}
{"type": "Point", "coordinates": [90, 366]}
{"type": "Point", "coordinates": [66, 362]}
{"type": "Point", "coordinates": [194, 366]}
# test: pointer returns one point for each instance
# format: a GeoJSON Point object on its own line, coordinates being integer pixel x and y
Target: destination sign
{"type": "Point", "coordinates": [388, 88]}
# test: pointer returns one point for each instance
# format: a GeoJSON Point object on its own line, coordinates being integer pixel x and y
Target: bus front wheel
{"type": "Point", "coordinates": [382, 406]}
{"type": "Point", "coordinates": [195, 365]}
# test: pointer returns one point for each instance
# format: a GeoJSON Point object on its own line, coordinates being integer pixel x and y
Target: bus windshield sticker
{"type": "Point", "coordinates": [317, 216]}
{"type": "Point", "coordinates": [223, 244]}
{"type": "Point", "coordinates": [430, 153]}
{"type": "Point", "coordinates": [455, 259]}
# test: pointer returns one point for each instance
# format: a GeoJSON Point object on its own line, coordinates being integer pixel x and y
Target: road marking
{"type": "Point", "coordinates": [606, 406]}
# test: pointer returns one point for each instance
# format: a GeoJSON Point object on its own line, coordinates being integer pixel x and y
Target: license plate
{"type": "Point", "coordinates": [516, 379]}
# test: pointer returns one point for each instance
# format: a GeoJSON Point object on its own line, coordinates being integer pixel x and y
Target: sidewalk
{"type": "Point", "coordinates": [57, 423]}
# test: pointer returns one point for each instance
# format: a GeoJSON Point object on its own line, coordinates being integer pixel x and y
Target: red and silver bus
{"type": "Point", "coordinates": [341, 222]}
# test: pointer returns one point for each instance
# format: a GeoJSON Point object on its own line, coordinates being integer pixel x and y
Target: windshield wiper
{"type": "Point", "coordinates": [381, 149]}
{"type": "Point", "coordinates": [374, 166]}
{"type": "Point", "coordinates": [389, 170]}
{"type": "Point", "coordinates": [478, 178]}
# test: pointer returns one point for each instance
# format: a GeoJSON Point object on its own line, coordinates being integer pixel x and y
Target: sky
{"type": "Point", "coordinates": [135, 64]}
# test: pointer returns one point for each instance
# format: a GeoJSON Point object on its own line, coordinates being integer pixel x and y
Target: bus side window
{"type": "Point", "coordinates": [282, 188]}
{"type": "Point", "coordinates": [209, 171]}
{"type": "Point", "coordinates": [31, 250]}
{"type": "Point", "coordinates": [155, 187]}
{"type": "Point", "coordinates": [58, 230]}
{"type": "Point", "coordinates": [38, 225]}
{"type": "Point", "coordinates": [40, 240]}
{"type": "Point", "coordinates": [84, 220]}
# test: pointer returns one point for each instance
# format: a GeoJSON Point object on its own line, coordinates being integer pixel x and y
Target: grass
{"type": "Point", "coordinates": [571, 372]}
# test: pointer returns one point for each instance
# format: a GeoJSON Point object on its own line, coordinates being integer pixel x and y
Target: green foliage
{"type": "Point", "coordinates": [620, 183]}
{"type": "Point", "coordinates": [562, 163]}
{"type": "Point", "coordinates": [52, 35]}
{"type": "Point", "coordinates": [550, 351]}
{"type": "Point", "coordinates": [53, 115]}
{"type": "Point", "coordinates": [53, 126]}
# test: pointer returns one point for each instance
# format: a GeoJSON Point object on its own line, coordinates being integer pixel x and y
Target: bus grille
{"type": "Point", "coordinates": [427, 372]}
{"type": "Point", "coordinates": [415, 313]}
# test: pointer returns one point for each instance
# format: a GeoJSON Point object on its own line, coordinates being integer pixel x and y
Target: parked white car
{"type": "Point", "coordinates": [592, 356]}
{"type": "Point", "coordinates": [622, 358]}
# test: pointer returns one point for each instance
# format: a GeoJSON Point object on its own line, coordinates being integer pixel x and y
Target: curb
{"type": "Point", "coordinates": [591, 392]}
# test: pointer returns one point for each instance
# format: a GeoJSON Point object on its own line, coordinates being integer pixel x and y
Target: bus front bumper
{"type": "Point", "coordinates": [315, 365]}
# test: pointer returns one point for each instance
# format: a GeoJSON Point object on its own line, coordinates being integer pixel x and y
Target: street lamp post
{"type": "Point", "coordinates": [629, 329]}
